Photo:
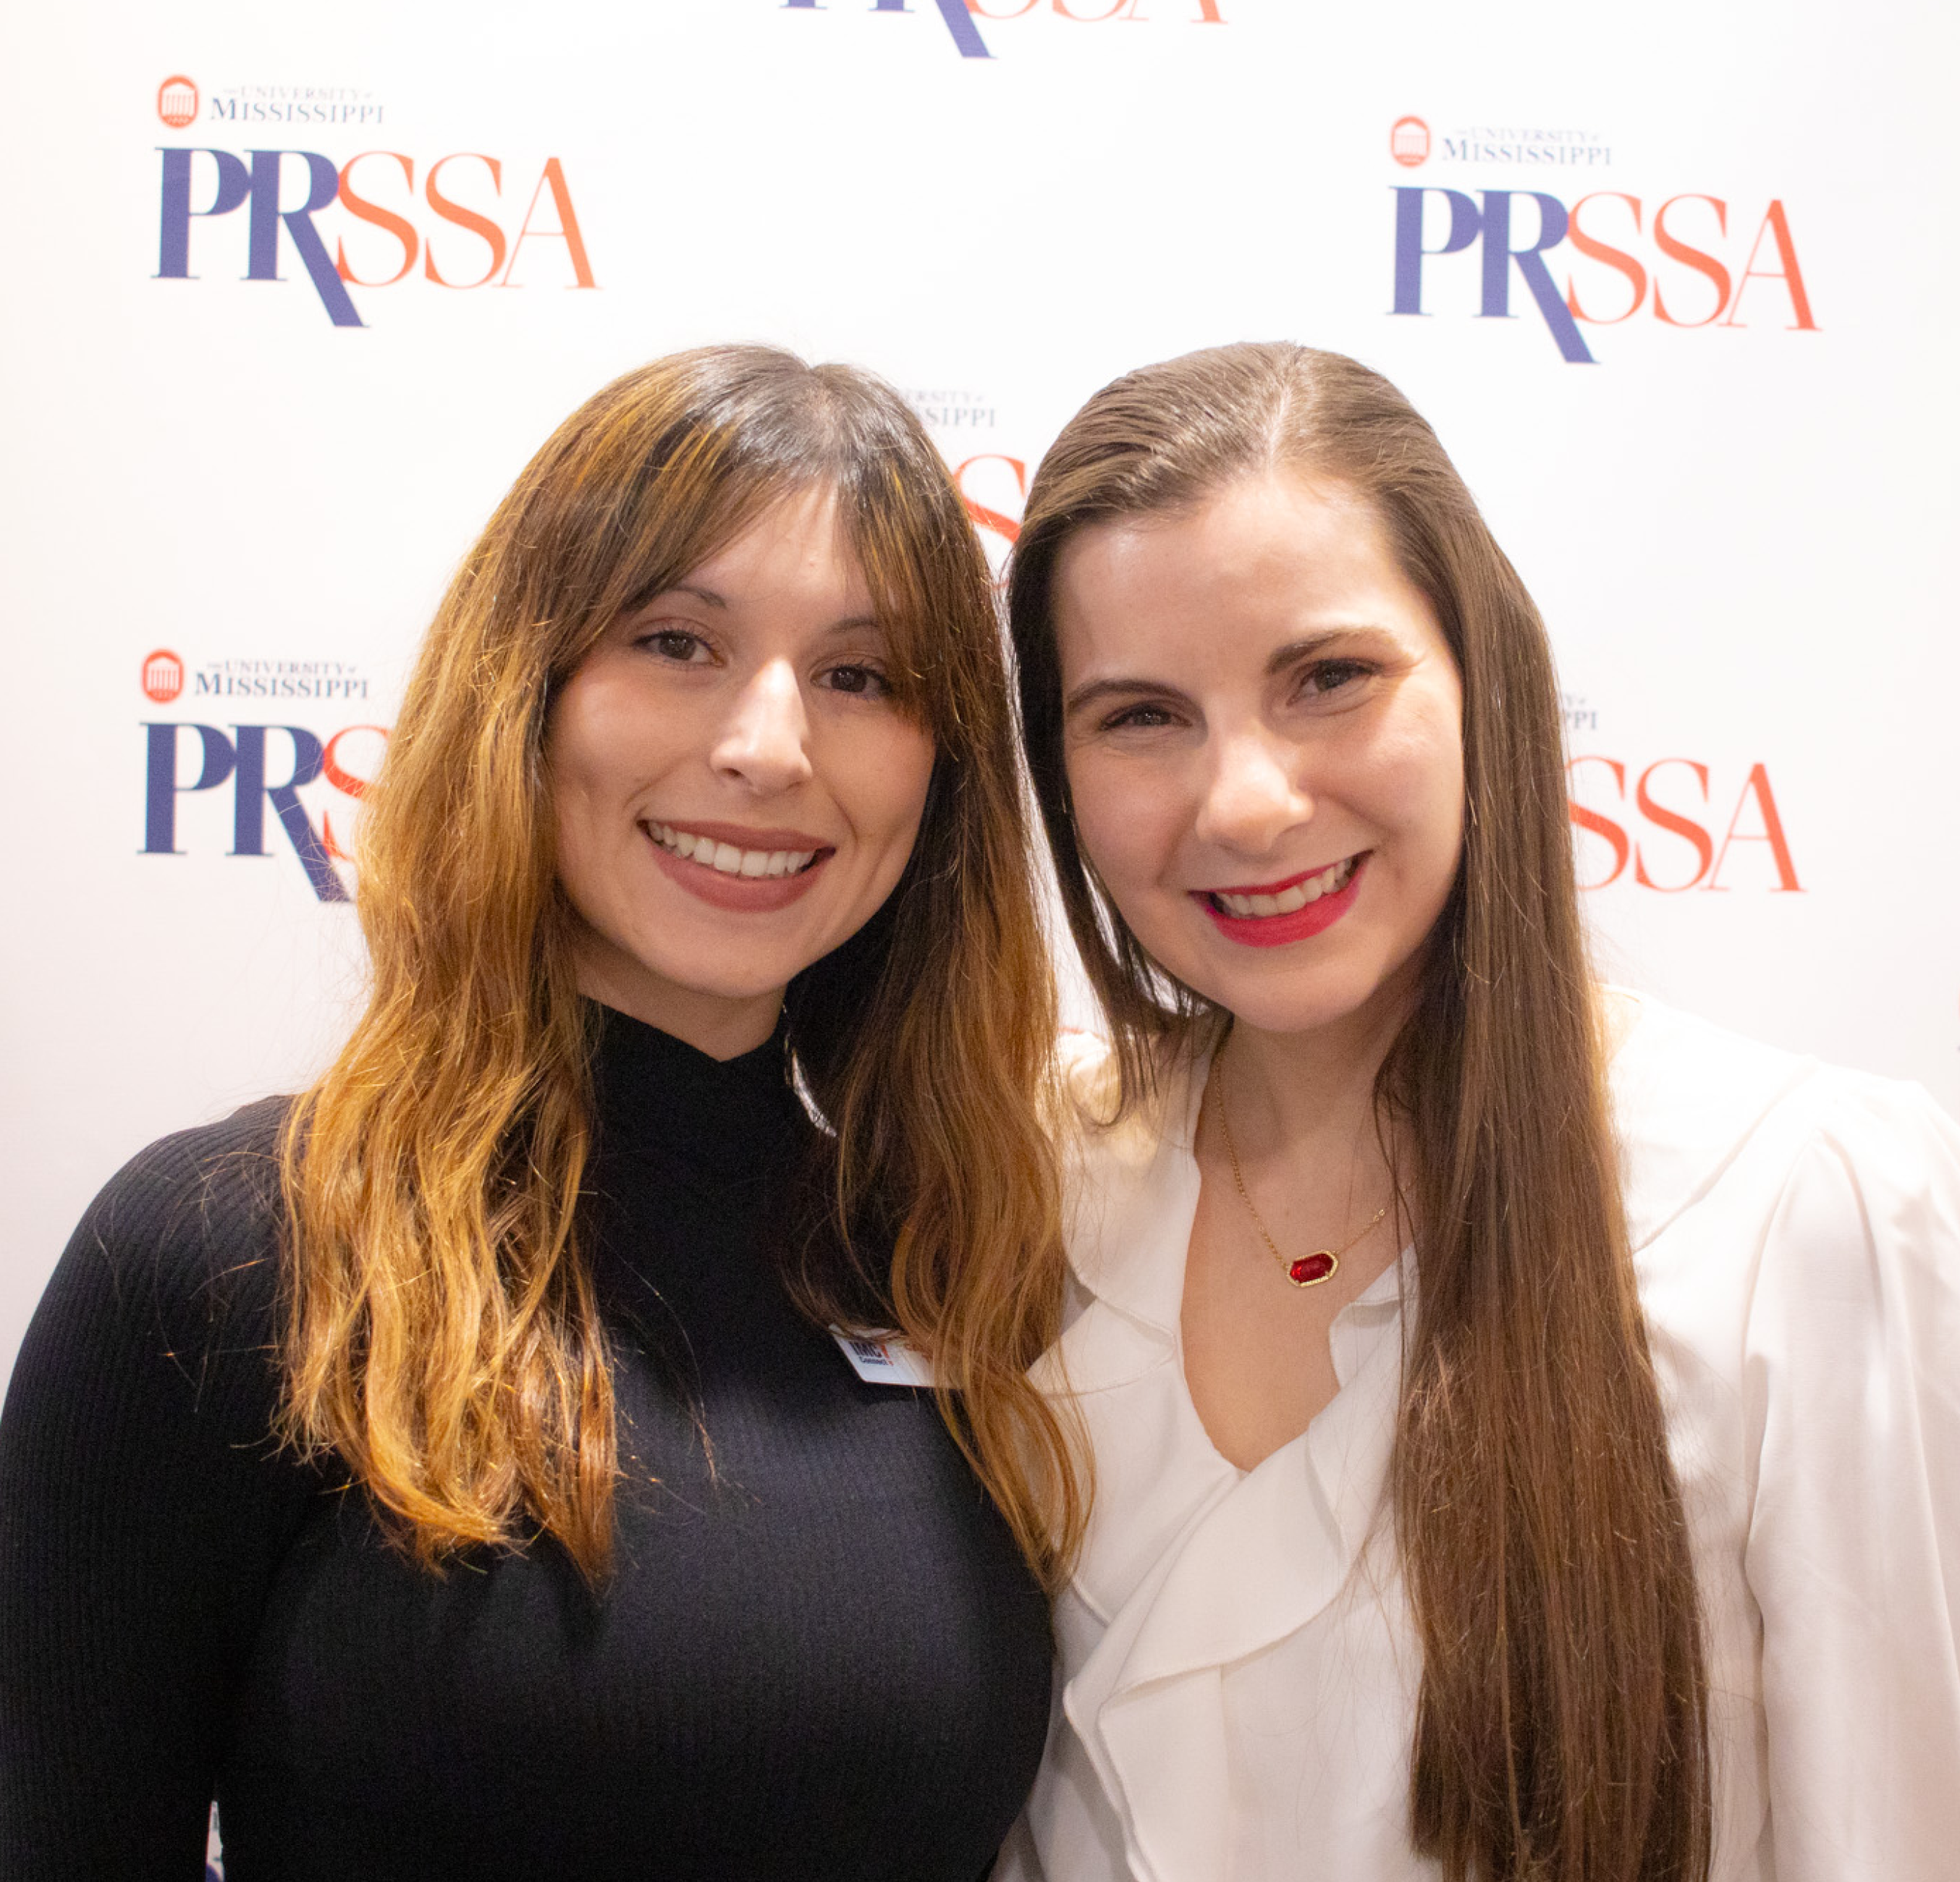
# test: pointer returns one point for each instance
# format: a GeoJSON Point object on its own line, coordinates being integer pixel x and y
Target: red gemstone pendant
{"type": "Point", "coordinates": [1310, 1270]}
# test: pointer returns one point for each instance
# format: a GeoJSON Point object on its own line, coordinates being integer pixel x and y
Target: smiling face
{"type": "Point", "coordinates": [736, 791]}
{"type": "Point", "coordinates": [1263, 733]}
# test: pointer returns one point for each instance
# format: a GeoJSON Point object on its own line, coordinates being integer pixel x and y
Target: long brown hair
{"type": "Point", "coordinates": [443, 1337]}
{"type": "Point", "coordinates": [1561, 1729]}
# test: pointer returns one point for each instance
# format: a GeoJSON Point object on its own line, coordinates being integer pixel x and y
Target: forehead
{"type": "Point", "coordinates": [1264, 560]}
{"type": "Point", "coordinates": [797, 546]}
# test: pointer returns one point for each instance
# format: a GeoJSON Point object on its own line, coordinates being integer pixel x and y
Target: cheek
{"type": "Point", "coordinates": [890, 776]}
{"type": "Point", "coordinates": [583, 728]}
{"type": "Point", "coordinates": [1121, 820]}
{"type": "Point", "coordinates": [612, 733]}
{"type": "Point", "coordinates": [568, 768]}
{"type": "Point", "coordinates": [594, 726]}
{"type": "Point", "coordinates": [1422, 792]}
{"type": "Point", "coordinates": [575, 824]}
{"type": "Point", "coordinates": [575, 779]}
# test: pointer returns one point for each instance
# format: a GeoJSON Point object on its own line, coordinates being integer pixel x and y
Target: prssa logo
{"type": "Point", "coordinates": [992, 484]}
{"type": "Point", "coordinates": [378, 227]}
{"type": "Point", "coordinates": [1669, 840]}
{"type": "Point", "coordinates": [163, 675]}
{"type": "Point", "coordinates": [483, 245]}
{"type": "Point", "coordinates": [1408, 143]}
{"type": "Point", "coordinates": [176, 101]}
{"type": "Point", "coordinates": [1684, 285]}
{"type": "Point", "coordinates": [959, 15]}
{"type": "Point", "coordinates": [993, 487]}
{"type": "Point", "coordinates": [250, 759]}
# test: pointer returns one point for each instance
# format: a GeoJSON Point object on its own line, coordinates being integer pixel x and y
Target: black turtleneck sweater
{"type": "Point", "coordinates": [820, 1654]}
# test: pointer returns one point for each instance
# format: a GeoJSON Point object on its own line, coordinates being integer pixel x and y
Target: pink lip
{"type": "Point", "coordinates": [743, 835]}
{"type": "Point", "coordinates": [751, 895]}
{"type": "Point", "coordinates": [1275, 931]}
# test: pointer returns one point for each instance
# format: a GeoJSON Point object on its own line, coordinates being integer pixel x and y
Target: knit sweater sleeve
{"type": "Point", "coordinates": [142, 1510]}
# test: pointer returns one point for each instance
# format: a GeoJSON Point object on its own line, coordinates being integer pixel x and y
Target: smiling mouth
{"type": "Point", "coordinates": [1287, 900]}
{"type": "Point", "coordinates": [725, 859]}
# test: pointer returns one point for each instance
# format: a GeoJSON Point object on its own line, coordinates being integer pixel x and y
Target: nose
{"type": "Point", "coordinates": [1254, 795]}
{"type": "Point", "coordinates": [765, 742]}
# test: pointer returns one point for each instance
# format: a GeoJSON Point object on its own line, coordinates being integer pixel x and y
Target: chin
{"type": "Point", "coordinates": [1272, 1011]}
{"type": "Point", "coordinates": [1303, 997]}
{"type": "Point", "coordinates": [736, 988]}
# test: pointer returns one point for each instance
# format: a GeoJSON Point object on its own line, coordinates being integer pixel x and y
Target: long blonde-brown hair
{"type": "Point", "coordinates": [1562, 1730]}
{"type": "Point", "coordinates": [443, 1337]}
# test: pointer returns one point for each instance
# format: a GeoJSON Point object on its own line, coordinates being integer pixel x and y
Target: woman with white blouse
{"type": "Point", "coordinates": [1526, 1420]}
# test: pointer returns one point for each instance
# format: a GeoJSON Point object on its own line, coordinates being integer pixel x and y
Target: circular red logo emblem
{"type": "Point", "coordinates": [1408, 143]}
{"type": "Point", "coordinates": [163, 675]}
{"type": "Point", "coordinates": [176, 101]}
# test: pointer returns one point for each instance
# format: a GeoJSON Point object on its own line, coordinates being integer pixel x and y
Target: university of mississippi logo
{"type": "Point", "coordinates": [176, 101]}
{"type": "Point", "coordinates": [1408, 143]}
{"type": "Point", "coordinates": [162, 676]}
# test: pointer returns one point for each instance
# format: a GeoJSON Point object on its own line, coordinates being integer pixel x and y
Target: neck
{"type": "Point", "coordinates": [722, 1027]}
{"type": "Point", "coordinates": [1315, 1087]}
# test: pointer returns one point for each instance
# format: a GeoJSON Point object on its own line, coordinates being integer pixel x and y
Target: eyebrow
{"type": "Point", "coordinates": [700, 593]}
{"type": "Point", "coordinates": [1293, 652]}
{"type": "Point", "coordinates": [850, 623]}
{"type": "Point", "coordinates": [1278, 662]}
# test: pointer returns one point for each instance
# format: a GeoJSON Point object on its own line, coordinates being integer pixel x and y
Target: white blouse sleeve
{"type": "Point", "coordinates": [1852, 1373]}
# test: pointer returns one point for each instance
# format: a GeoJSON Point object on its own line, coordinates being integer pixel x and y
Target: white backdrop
{"type": "Point", "coordinates": [1735, 513]}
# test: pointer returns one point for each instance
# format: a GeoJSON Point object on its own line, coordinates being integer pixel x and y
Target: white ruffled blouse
{"type": "Point", "coordinates": [1238, 1669]}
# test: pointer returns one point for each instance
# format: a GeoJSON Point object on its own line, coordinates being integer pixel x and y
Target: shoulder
{"type": "Point", "coordinates": [195, 1189]}
{"type": "Point", "coordinates": [1130, 1179]}
{"type": "Point", "coordinates": [1107, 1126]}
{"type": "Point", "coordinates": [182, 1244]}
{"type": "Point", "coordinates": [148, 1377]}
{"type": "Point", "coordinates": [1702, 1113]}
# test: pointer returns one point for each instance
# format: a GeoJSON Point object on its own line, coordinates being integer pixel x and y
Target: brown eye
{"type": "Point", "coordinates": [1331, 676]}
{"type": "Point", "coordinates": [674, 643]}
{"type": "Point", "coordinates": [1138, 717]}
{"type": "Point", "coordinates": [860, 682]}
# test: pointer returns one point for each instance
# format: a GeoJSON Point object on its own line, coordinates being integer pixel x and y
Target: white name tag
{"type": "Point", "coordinates": [883, 1358]}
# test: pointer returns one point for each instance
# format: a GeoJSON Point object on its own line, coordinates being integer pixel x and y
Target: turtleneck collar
{"type": "Point", "coordinates": [728, 1118]}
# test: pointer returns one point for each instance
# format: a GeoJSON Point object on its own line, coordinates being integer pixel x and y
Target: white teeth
{"type": "Point", "coordinates": [725, 859]}
{"type": "Point", "coordinates": [1329, 882]}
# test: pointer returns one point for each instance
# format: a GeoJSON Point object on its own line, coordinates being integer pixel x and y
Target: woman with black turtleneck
{"type": "Point", "coordinates": [452, 1472]}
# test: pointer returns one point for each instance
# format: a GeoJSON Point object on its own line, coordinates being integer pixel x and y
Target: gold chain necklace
{"type": "Point", "coordinates": [1307, 1271]}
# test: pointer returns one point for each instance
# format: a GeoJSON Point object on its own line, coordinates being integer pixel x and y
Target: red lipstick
{"type": "Point", "coordinates": [1276, 931]}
